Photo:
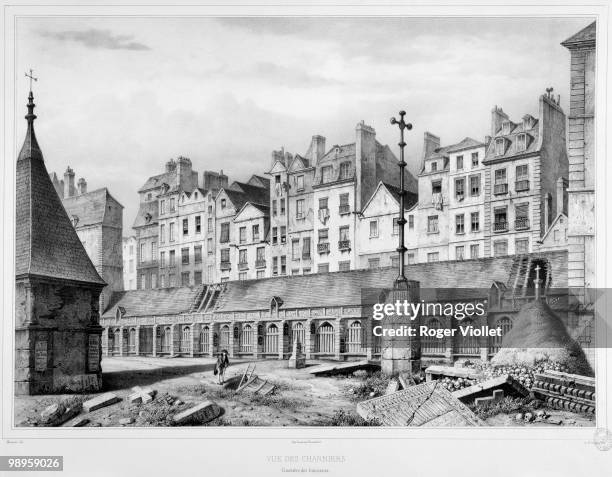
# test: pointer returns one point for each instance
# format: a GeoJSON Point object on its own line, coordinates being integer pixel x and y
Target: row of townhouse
{"type": "Point", "coordinates": [336, 209]}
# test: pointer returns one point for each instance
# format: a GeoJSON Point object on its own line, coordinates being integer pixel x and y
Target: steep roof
{"type": "Point", "coordinates": [466, 143]}
{"type": "Point", "coordinates": [240, 193]}
{"type": "Point", "coordinates": [156, 181]}
{"type": "Point", "coordinates": [584, 36]}
{"type": "Point", "coordinates": [511, 141]}
{"type": "Point", "coordinates": [89, 208]}
{"type": "Point", "coordinates": [158, 301]}
{"type": "Point", "coordinates": [410, 198]}
{"type": "Point", "coordinates": [46, 244]}
{"type": "Point", "coordinates": [151, 208]}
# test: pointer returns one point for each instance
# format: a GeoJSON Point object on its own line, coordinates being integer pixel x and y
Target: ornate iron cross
{"type": "Point", "coordinates": [31, 76]}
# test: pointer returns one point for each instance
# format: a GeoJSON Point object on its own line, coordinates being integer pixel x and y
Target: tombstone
{"type": "Point", "coordinates": [297, 359]}
{"type": "Point", "coordinates": [100, 402]}
{"type": "Point", "coordinates": [200, 414]}
{"type": "Point", "coordinates": [141, 395]}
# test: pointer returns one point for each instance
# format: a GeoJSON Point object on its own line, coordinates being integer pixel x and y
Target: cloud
{"type": "Point", "coordinates": [97, 39]}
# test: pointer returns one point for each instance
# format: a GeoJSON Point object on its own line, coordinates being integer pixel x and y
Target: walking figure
{"type": "Point", "coordinates": [221, 365]}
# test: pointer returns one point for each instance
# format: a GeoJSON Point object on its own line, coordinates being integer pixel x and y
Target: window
{"type": "Point", "coordinates": [295, 249]}
{"type": "Point", "coordinates": [501, 183]}
{"type": "Point", "coordinates": [185, 279]}
{"type": "Point", "coordinates": [277, 179]}
{"type": "Point", "coordinates": [345, 208]}
{"type": "Point", "coordinates": [274, 235]}
{"type": "Point", "coordinates": [474, 250]}
{"type": "Point", "coordinates": [475, 185]}
{"type": "Point", "coordinates": [501, 219]}
{"type": "Point", "coordinates": [242, 235]}
{"type": "Point", "coordinates": [223, 203]}
{"type": "Point", "coordinates": [373, 228]}
{"type": "Point", "coordinates": [162, 259]}
{"type": "Point", "coordinates": [209, 246]}
{"type": "Point", "coordinates": [162, 207]}
{"type": "Point", "coordinates": [197, 254]}
{"type": "Point", "coordinates": [242, 276]}
{"type": "Point", "coordinates": [153, 250]}
{"type": "Point", "coordinates": [323, 203]}
{"type": "Point", "coordinates": [209, 226]}
{"type": "Point", "coordinates": [500, 248]}
{"type": "Point", "coordinates": [459, 162]}
{"type": "Point", "coordinates": [255, 232]}
{"type": "Point", "coordinates": [459, 252]}
{"type": "Point", "coordinates": [260, 258]}
{"type": "Point", "coordinates": [171, 231]}
{"type": "Point", "coordinates": [143, 282]}
{"type": "Point", "coordinates": [274, 207]}
{"type": "Point", "coordinates": [521, 214]}
{"type": "Point", "coordinates": [409, 258]}
{"type": "Point", "coordinates": [374, 263]}
{"type": "Point", "coordinates": [521, 142]}
{"type": "Point", "coordinates": [522, 178]}
{"type": "Point", "coordinates": [434, 166]}
{"type": "Point", "coordinates": [172, 258]}
{"type": "Point", "coordinates": [198, 224]}
{"type": "Point", "coordinates": [459, 224]}
{"type": "Point", "coordinates": [209, 207]}
{"type": "Point", "coordinates": [323, 268]}
{"type": "Point", "coordinates": [197, 278]}
{"type": "Point", "coordinates": [500, 146]}
{"type": "Point", "coordinates": [326, 174]}
{"type": "Point", "coordinates": [395, 226]}
{"type": "Point", "coordinates": [162, 282]}
{"type": "Point", "coordinates": [282, 206]}
{"type": "Point", "coordinates": [283, 262]}
{"type": "Point", "coordinates": [323, 235]}
{"type": "Point", "coordinates": [305, 270]}
{"type": "Point", "coordinates": [299, 209]}
{"type": "Point", "coordinates": [459, 188]}
{"type": "Point", "coordinates": [283, 234]}
{"type": "Point", "coordinates": [225, 233]}
{"type": "Point", "coordinates": [142, 252]}
{"type": "Point", "coordinates": [185, 256]}
{"type": "Point", "coordinates": [433, 257]}
{"type": "Point", "coordinates": [475, 222]}
{"type": "Point", "coordinates": [474, 159]}
{"type": "Point", "coordinates": [521, 245]}
{"type": "Point", "coordinates": [411, 222]}
{"type": "Point", "coordinates": [306, 248]}
{"type": "Point", "coordinates": [274, 265]}
{"type": "Point", "coordinates": [345, 170]}
{"type": "Point", "coordinates": [344, 266]}
{"type": "Point", "coordinates": [300, 183]}
{"type": "Point", "coordinates": [432, 224]}
{"type": "Point", "coordinates": [172, 280]}
{"type": "Point", "coordinates": [344, 233]}
{"type": "Point", "coordinates": [185, 226]}
{"type": "Point", "coordinates": [225, 258]}
{"type": "Point", "coordinates": [172, 205]}
{"type": "Point", "coordinates": [261, 274]}
{"type": "Point", "coordinates": [436, 187]}
{"type": "Point", "coordinates": [242, 257]}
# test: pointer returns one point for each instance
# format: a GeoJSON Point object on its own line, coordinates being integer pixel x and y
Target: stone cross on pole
{"type": "Point", "coordinates": [31, 76]}
{"type": "Point", "coordinates": [401, 355]}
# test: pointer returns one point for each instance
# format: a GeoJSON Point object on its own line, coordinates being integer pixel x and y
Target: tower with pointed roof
{"type": "Point", "coordinates": [57, 288]}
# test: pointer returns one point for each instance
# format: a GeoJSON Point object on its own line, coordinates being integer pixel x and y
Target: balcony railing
{"type": "Point", "coordinates": [344, 245]}
{"type": "Point", "coordinates": [500, 226]}
{"type": "Point", "coordinates": [499, 189]}
{"type": "Point", "coordinates": [243, 265]}
{"type": "Point", "coordinates": [323, 247]}
{"type": "Point", "coordinates": [521, 223]}
{"type": "Point", "coordinates": [345, 209]}
{"type": "Point", "coordinates": [226, 265]}
{"type": "Point", "coordinates": [260, 263]}
{"type": "Point", "coordinates": [521, 185]}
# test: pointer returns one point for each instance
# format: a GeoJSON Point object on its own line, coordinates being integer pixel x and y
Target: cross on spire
{"type": "Point", "coordinates": [31, 76]}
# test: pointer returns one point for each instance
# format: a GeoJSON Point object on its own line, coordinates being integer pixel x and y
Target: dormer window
{"type": "Point", "coordinates": [500, 146]}
{"type": "Point", "coordinates": [223, 203]}
{"type": "Point", "coordinates": [436, 187]}
{"type": "Point", "coordinates": [528, 121]}
{"type": "Point", "coordinates": [434, 166]}
{"type": "Point", "coordinates": [521, 142]}
{"type": "Point", "coordinates": [506, 127]}
{"type": "Point", "coordinates": [345, 170]}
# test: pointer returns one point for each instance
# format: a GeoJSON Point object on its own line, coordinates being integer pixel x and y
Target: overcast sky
{"type": "Point", "coordinates": [117, 97]}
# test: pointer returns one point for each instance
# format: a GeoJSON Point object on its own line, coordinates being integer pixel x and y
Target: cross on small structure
{"type": "Point", "coordinates": [141, 395]}
{"type": "Point", "coordinates": [31, 76]}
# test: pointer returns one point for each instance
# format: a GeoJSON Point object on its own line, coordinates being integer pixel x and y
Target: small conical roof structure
{"type": "Point", "coordinates": [538, 334]}
{"type": "Point", "coordinates": [46, 243]}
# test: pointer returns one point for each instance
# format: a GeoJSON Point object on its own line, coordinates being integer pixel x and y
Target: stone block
{"type": "Point", "coordinates": [393, 386]}
{"type": "Point", "coordinates": [483, 400]}
{"type": "Point", "coordinates": [202, 413]}
{"type": "Point", "coordinates": [80, 422]}
{"type": "Point", "coordinates": [141, 395]}
{"type": "Point", "coordinates": [101, 401]}
{"type": "Point", "coordinates": [498, 394]}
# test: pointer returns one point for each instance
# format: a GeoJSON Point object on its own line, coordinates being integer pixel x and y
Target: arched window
{"type": "Point", "coordinates": [225, 337]}
{"type": "Point", "coordinates": [166, 340]}
{"type": "Point", "coordinates": [298, 332]}
{"type": "Point", "coordinates": [246, 339]}
{"type": "Point", "coordinates": [353, 341]}
{"type": "Point", "coordinates": [432, 344]}
{"type": "Point", "coordinates": [205, 340]}
{"type": "Point", "coordinates": [185, 345]}
{"type": "Point", "coordinates": [272, 335]}
{"type": "Point", "coordinates": [275, 305]}
{"type": "Point", "coordinates": [324, 339]}
{"type": "Point", "coordinates": [132, 341]}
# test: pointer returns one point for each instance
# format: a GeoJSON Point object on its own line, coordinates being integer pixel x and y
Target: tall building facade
{"type": "Point", "coordinates": [581, 191]}
{"type": "Point", "coordinates": [129, 263]}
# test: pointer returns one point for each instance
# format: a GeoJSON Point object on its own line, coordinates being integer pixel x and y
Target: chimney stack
{"type": "Point", "coordinates": [82, 186]}
{"type": "Point", "coordinates": [69, 190]}
{"type": "Point", "coordinates": [497, 118]}
{"type": "Point", "coordinates": [317, 148]}
{"type": "Point", "coordinates": [431, 142]}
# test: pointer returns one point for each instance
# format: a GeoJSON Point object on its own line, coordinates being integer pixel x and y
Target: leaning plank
{"type": "Point", "coordinates": [100, 402]}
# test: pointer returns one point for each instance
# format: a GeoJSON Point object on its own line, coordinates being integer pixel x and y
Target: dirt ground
{"type": "Point", "coordinates": [300, 399]}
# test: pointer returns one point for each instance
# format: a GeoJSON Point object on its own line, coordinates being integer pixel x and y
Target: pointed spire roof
{"type": "Point", "coordinates": [46, 244]}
